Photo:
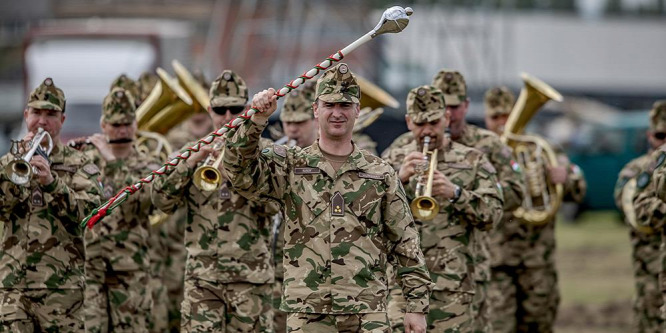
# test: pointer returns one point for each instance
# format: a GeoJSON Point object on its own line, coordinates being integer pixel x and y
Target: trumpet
{"type": "Point", "coordinates": [19, 171]}
{"type": "Point", "coordinates": [207, 177]}
{"type": "Point", "coordinates": [424, 207]}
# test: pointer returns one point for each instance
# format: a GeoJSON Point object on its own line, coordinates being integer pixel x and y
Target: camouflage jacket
{"type": "Point", "coordinates": [121, 238]}
{"type": "Point", "coordinates": [339, 226]}
{"type": "Point", "coordinates": [227, 237]}
{"type": "Point", "coordinates": [447, 240]}
{"type": "Point", "coordinates": [646, 251]}
{"type": "Point", "coordinates": [42, 245]}
{"type": "Point", "coordinates": [650, 199]}
{"type": "Point", "coordinates": [517, 243]}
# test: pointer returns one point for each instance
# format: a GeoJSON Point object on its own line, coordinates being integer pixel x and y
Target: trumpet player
{"type": "Point", "coordinates": [119, 287]}
{"type": "Point", "coordinates": [524, 293]}
{"type": "Point", "coordinates": [645, 242]}
{"type": "Point", "coordinates": [42, 254]}
{"type": "Point", "coordinates": [466, 199]}
{"type": "Point", "coordinates": [228, 270]}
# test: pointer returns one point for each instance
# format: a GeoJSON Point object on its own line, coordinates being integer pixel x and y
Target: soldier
{"type": "Point", "coordinates": [465, 187]}
{"type": "Point", "coordinates": [298, 121]}
{"type": "Point", "coordinates": [117, 263]}
{"type": "Point", "coordinates": [42, 255]}
{"type": "Point", "coordinates": [345, 210]}
{"type": "Point", "coordinates": [524, 294]}
{"type": "Point", "coordinates": [132, 87]}
{"type": "Point", "coordinates": [229, 270]}
{"type": "Point", "coordinates": [645, 242]}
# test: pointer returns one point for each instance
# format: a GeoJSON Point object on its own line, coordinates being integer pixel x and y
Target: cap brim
{"type": "Point", "coordinates": [497, 111]}
{"type": "Point", "coordinates": [426, 117]}
{"type": "Point", "coordinates": [227, 101]}
{"type": "Point", "coordinates": [44, 105]}
{"type": "Point", "coordinates": [338, 98]}
{"type": "Point", "coordinates": [453, 100]}
{"type": "Point", "coordinates": [296, 117]}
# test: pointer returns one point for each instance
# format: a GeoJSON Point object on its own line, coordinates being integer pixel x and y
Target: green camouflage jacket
{"type": "Point", "coordinates": [447, 240]}
{"type": "Point", "coordinates": [650, 199]}
{"type": "Point", "coordinates": [339, 226]}
{"type": "Point", "coordinates": [42, 245]}
{"type": "Point", "coordinates": [227, 237]}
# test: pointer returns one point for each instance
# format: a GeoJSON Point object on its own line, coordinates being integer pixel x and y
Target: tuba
{"type": "Point", "coordinates": [19, 171]}
{"type": "Point", "coordinates": [532, 153]}
{"type": "Point", "coordinates": [424, 207]}
{"type": "Point", "coordinates": [166, 105]}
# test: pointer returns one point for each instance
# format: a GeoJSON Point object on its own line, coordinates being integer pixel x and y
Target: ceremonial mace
{"type": "Point", "coordinates": [393, 20]}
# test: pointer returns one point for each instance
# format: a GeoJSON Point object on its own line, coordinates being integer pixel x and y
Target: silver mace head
{"type": "Point", "coordinates": [394, 20]}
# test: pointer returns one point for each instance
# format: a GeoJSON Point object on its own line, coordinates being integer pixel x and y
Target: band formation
{"type": "Point", "coordinates": [450, 229]}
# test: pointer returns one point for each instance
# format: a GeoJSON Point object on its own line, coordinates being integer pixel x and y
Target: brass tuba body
{"type": "Point", "coordinates": [532, 153]}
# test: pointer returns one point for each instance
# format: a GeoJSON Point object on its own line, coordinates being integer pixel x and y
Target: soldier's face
{"type": "Point", "coordinates": [200, 124]}
{"type": "Point", "coordinates": [434, 129]}
{"type": "Point", "coordinates": [656, 138]}
{"type": "Point", "coordinates": [50, 120]}
{"type": "Point", "coordinates": [223, 115]}
{"type": "Point", "coordinates": [458, 113]}
{"type": "Point", "coordinates": [336, 120]}
{"type": "Point", "coordinates": [304, 132]}
{"type": "Point", "coordinates": [496, 122]}
{"type": "Point", "coordinates": [116, 132]}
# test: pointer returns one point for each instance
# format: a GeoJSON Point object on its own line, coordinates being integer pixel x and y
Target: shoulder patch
{"type": "Point", "coordinates": [62, 167]}
{"type": "Point", "coordinates": [660, 159]}
{"type": "Point", "coordinates": [643, 180]}
{"type": "Point", "coordinates": [280, 150]}
{"type": "Point", "coordinates": [371, 176]}
{"type": "Point", "coordinates": [90, 169]}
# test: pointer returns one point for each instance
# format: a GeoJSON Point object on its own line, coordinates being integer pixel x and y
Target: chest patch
{"type": "Point", "coordinates": [306, 171]}
{"type": "Point", "coordinates": [337, 205]}
{"type": "Point", "coordinates": [370, 176]}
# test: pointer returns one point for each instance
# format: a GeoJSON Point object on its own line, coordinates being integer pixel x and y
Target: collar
{"type": "Point", "coordinates": [355, 162]}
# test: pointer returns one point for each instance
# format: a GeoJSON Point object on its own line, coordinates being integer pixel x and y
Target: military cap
{"type": "Point", "coordinates": [229, 89]}
{"type": "Point", "coordinates": [146, 82]}
{"type": "Point", "coordinates": [425, 104]}
{"type": "Point", "coordinates": [452, 84]}
{"type": "Point", "coordinates": [47, 96]}
{"type": "Point", "coordinates": [658, 116]}
{"type": "Point", "coordinates": [298, 104]}
{"type": "Point", "coordinates": [498, 101]}
{"type": "Point", "coordinates": [338, 84]}
{"type": "Point", "coordinates": [129, 85]}
{"type": "Point", "coordinates": [118, 107]}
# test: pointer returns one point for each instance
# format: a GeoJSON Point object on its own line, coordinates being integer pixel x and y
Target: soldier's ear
{"type": "Point", "coordinates": [358, 110]}
{"type": "Point", "coordinates": [315, 110]}
{"type": "Point", "coordinates": [410, 124]}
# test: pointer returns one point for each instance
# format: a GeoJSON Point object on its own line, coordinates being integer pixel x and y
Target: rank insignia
{"type": "Point", "coordinates": [337, 205]}
{"type": "Point", "coordinates": [225, 193]}
{"type": "Point", "coordinates": [37, 197]}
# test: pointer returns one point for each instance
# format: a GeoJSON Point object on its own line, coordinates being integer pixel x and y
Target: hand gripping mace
{"type": "Point", "coordinates": [393, 20]}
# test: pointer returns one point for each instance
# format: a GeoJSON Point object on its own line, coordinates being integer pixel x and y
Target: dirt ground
{"type": "Point", "coordinates": [596, 283]}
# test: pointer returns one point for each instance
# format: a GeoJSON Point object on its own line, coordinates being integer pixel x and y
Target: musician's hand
{"type": "Point", "coordinates": [557, 175]}
{"type": "Point", "coordinates": [200, 155]}
{"type": "Point", "coordinates": [42, 170]}
{"type": "Point", "coordinates": [99, 141]}
{"type": "Point", "coordinates": [415, 323]}
{"type": "Point", "coordinates": [442, 186]}
{"type": "Point", "coordinates": [26, 143]}
{"type": "Point", "coordinates": [410, 164]}
{"type": "Point", "coordinates": [266, 102]}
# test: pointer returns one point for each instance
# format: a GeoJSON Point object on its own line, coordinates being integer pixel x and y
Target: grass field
{"type": "Point", "coordinates": [596, 281]}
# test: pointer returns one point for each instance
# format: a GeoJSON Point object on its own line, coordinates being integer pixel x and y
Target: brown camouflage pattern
{"type": "Point", "coordinates": [47, 96]}
{"type": "Point", "coordinates": [338, 84]}
{"type": "Point", "coordinates": [425, 104]}
{"type": "Point", "coordinates": [333, 264]}
{"type": "Point", "coordinates": [146, 83]}
{"type": "Point", "coordinates": [452, 84]}
{"type": "Point", "coordinates": [658, 116]}
{"type": "Point", "coordinates": [129, 85]}
{"type": "Point", "coordinates": [498, 101]}
{"type": "Point", "coordinates": [228, 89]}
{"type": "Point", "coordinates": [297, 106]}
{"type": "Point", "coordinates": [118, 107]}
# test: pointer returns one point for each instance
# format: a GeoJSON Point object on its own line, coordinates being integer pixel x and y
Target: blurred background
{"type": "Point", "coordinates": [605, 56]}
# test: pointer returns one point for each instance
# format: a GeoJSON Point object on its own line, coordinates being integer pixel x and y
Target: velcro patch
{"type": "Point", "coordinates": [370, 176]}
{"type": "Point", "coordinates": [90, 169]}
{"type": "Point", "coordinates": [37, 197]}
{"type": "Point", "coordinates": [62, 167]}
{"type": "Point", "coordinates": [643, 180]}
{"type": "Point", "coordinates": [337, 205]}
{"type": "Point", "coordinates": [280, 150]}
{"type": "Point", "coordinates": [306, 171]}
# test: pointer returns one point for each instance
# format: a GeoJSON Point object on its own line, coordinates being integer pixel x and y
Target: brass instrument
{"type": "Point", "coordinates": [366, 117]}
{"type": "Point", "coordinates": [373, 96]}
{"type": "Point", "coordinates": [532, 153]}
{"type": "Point", "coordinates": [424, 206]}
{"type": "Point", "coordinates": [166, 106]}
{"type": "Point", "coordinates": [151, 143]}
{"type": "Point", "coordinates": [19, 171]}
{"type": "Point", "coordinates": [207, 177]}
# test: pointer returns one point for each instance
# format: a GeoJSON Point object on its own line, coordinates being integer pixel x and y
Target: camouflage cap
{"type": "Point", "coordinates": [498, 101]}
{"type": "Point", "coordinates": [129, 85]}
{"type": "Point", "coordinates": [147, 81]}
{"type": "Point", "coordinates": [425, 104]}
{"type": "Point", "coordinates": [298, 104]}
{"type": "Point", "coordinates": [229, 89]}
{"type": "Point", "coordinates": [658, 116]}
{"type": "Point", "coordinates": [338, 84]}
{"type": "Point", "coordinates": [47, 96]}
{"type": "Point", "coordinates": [118, 107]}
{"type": "Point", "coordinates": [452, 84]}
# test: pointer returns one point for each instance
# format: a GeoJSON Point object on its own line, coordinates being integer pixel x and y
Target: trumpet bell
{"type": "Point", "coordinates": [207, 178]}
{"type": "Point", "coordinates": [19, 172]}
{"type": "Point", "coordinates": [424, 208]}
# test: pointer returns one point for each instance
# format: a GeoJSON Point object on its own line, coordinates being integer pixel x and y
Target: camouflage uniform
{"type": "Point", "coordinates": [650, 209]}
{"type": "Point", "coordinates": [447, 240]}
{"type": "Point", "coordinates": [228, 270]}
{"type": "Point", "coordinates": [645, 257]}
{"type": "Point", "coordinates": [117, 262]}
{"type": "Point", "coordinates": [42, 254]}
{"type": "Point", "coordinates": [130, 86]}
{"type": "Point", "coordinates": [452, 83]}
{"type": "Point", "coordinates": [340, 227]}
{"type": "Point", "coordinates": [523, 292]}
